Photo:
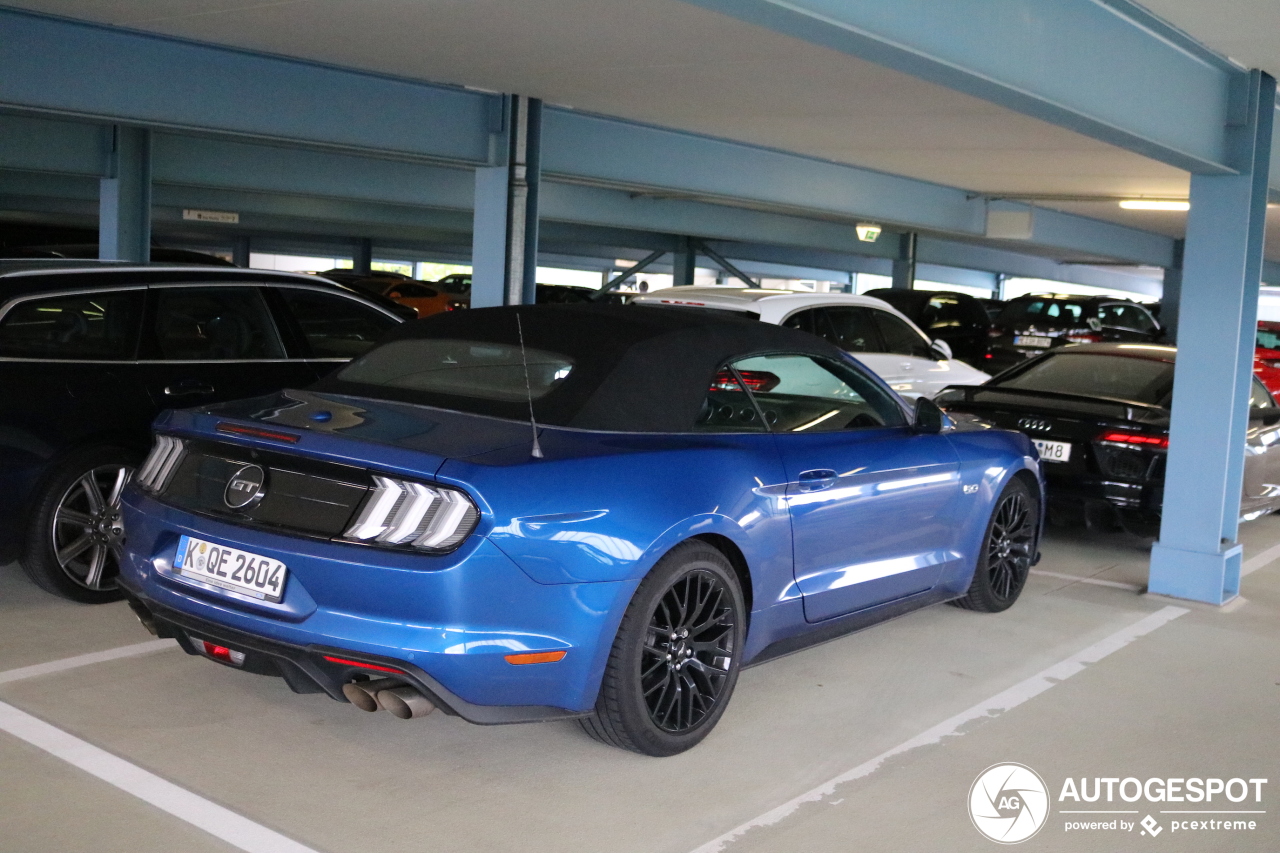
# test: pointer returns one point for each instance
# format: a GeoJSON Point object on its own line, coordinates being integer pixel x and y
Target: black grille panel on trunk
{"type": "Point", "coordinates": [296, 494]}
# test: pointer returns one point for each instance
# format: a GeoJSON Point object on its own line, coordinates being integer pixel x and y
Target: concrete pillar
{"type": "Point", "coordinates": [1197, 556]}
{"type": "Point", "coordinates": [904, 266]}
{"type": "Point", "coordinates": [124, 198]}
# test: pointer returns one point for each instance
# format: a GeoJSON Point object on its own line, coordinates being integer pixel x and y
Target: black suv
{"type": "Point", "coordinates": [91, 352]}
{"type": "Point", "coordinates": [957, 318]}
{"type": "Point", "coordinates": [1029, 325]}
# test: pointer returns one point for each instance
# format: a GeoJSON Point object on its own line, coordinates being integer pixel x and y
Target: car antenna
{"type": "Point", "coordinates": [524, 359]}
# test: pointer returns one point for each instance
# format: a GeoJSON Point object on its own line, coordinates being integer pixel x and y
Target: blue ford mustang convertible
{"type": "Point", "coordinates": [588, 511]}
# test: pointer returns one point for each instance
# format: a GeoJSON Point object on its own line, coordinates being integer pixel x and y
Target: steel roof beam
{"type": "Point", "coordinates": [71, 68]}
{"type": "Point", "coordinates": [1142, 84]}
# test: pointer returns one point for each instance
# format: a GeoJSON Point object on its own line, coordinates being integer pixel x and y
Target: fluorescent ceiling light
{"type": "Point", "coordinates": [1148, 204]}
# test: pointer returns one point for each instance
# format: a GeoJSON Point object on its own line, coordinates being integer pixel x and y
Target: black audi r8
{"type": "Point", "coordinates": [1099, 416]}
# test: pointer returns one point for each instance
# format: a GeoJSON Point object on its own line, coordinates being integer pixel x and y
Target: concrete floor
{"type": "Point", "coordinates": [1196, 697]}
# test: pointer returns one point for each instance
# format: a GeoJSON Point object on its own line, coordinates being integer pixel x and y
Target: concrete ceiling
{"type": "Point", "coordinates": [677, 65]}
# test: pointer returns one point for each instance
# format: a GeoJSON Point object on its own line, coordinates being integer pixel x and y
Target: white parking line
{"type": "Point", "coordinates": [196, 810]}
{"type": "Point", "coordinates": [84, 660]}
{"type": "Point", "coordinates": [1132, 587]}
{"type": "Point", "coordinates": [1252, 564]}
{"type": "Point", "coordinates": [1001, 702]}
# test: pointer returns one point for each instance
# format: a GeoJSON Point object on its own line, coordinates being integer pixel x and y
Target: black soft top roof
{"type": "Point", "coordinates": [636, 368]}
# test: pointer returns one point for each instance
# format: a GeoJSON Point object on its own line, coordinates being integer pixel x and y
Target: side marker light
{"type": "Point", "coordinates": [535, 657]}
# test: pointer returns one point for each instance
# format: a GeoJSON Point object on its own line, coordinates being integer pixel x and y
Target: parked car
{"type": "Point", "coordinates": [419, 296]}
{"type": "Point", "coordinates": [568, 294]}
{"type": "Point", "coordinates": [91, 353]}
{"type": "Point", "coordinates": [697, 492]}
{"type": "Point", "coordinates": [89, 252]}
{"type": "Point", "coordinates": [1099, 417]}
{"type": "Point", "coordinates": [876, 333]}
{"type": "Point", "coordinates": [1029, 325]}
{"type": "Point", "coordinates": [458, 284]}
{"type": "Point", "coordinates": [1266, 355]}
{"type": "Point", "coordinates": [993, 307]}
{"type": "Point", "coordinates": [957, 318]}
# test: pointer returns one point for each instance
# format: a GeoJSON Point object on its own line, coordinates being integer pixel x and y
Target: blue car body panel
{"type": "Point", "coordinates": [563, 541]}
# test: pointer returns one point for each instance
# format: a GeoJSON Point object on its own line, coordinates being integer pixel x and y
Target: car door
{"type": "Point", "coordinates": [332, 328]}
{"type": "Point", "coordinates": [852, 328]}
{"type": "Point", "coordinates": [211, 342]}
{"type": "Point", "coordinates": [873, 505]}
{"type": "Point", "coordinates": [921, 372]}
{"type": "Point", "coordinates": [67, 373]}
{"type": "Point", "coordinates": [1262, 452]}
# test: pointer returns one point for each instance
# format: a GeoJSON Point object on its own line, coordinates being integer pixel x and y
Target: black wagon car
{"type": "Point", "coordinates": [1029, 325]}
{"type": "Point", "coordinates": [957, 318]}
{"type": "Point", "coordinates": [1099, 416]}
{"type": "Point", "coordinates": [90, 353]}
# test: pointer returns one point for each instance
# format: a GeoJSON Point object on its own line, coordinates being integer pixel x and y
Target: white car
{"type": "Point", "coordinates": [870, 329]}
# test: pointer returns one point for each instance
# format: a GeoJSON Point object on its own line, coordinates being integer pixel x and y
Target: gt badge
{"type": "Point", "coordinates": [245, 488]}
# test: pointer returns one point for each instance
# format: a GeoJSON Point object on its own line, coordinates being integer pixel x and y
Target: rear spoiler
{"type": "Point", "coordinates": [1128, 409]}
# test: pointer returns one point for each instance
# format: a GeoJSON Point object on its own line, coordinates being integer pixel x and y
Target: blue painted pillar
{"type": "Point", "coordinates": [489, 238]}
{"type": "Point", "coordinates": [362, 257]}
{"type": "Point", "coordinates": [904, 266]}
{"type": "Point", "coordinates": [1171, 294]}
{"type": "Point", "coordinates": [1197, 556]}
{"type": "Point", "coordinates": [685, 262]}
{"type": "Point", "coordinates": [504, 241]}
{"type": "Point", "coordinates": [124, 197]}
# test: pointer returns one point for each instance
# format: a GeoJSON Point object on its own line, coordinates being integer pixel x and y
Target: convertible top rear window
{"type": "Point", "coordinates": [462, 368]}
{"type": "Point", "coordinates": [1121, 377]}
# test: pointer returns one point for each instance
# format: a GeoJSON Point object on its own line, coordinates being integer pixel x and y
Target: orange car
{"type": "Point", "coordinates": [418, 295]}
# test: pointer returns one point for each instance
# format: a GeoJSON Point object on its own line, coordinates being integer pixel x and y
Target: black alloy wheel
{"type": "Point", "coordinates": [1008, 550]}
{"type": "Point", "coordinates": [676, 659]}
{"type": "Point", "coordinates": [75, 536]}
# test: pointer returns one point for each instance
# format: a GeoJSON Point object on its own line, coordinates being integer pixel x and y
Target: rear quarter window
{"type": "Point", "coordinates": [95, 326]}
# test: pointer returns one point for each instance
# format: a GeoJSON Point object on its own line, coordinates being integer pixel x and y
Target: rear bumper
{"type": "Point", "coordinates": [446, 622]}
{"type": "Point", "coordinates": [1134, 505]}
{"type": "Point", "coordinates": [308, 669]}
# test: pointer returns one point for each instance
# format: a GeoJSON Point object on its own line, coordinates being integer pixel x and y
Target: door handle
{"type": "Point", "coordinates": [187, 388]}
{"type": "Point", "coordinates": [817, 479]}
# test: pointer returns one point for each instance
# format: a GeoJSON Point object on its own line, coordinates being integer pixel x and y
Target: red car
{"type": "Point", "coordinates": [1266, 356]}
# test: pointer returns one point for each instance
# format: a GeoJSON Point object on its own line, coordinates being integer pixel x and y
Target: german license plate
{"type": "Point", "coordinates": [1032, 341]}
{"type": "Point", "coordinates": [1052, 451]}
{"type": "Point", "coordinates": [230, 568]}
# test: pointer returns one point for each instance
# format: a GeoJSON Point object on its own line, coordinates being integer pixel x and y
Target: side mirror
{"type": "Point", "coordinates": [941, 350]}
{"type": "Point", "coordinates": [928, 417]}
{"type": "Point", "coordinates": [1268, 416]}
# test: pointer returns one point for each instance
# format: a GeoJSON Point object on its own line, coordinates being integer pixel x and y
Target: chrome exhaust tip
{"type": "Point", "coordinates": [405, 702]}
{"type": "Point", "coordinates": [364, 694]}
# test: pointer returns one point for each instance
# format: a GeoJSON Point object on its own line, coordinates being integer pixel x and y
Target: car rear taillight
{"type": "Point", "coordinates": [1083, 336]}
{"type": "Point", "coordinates": [402, 512]}
{"type": "Point", "coordinates": [757, 380]}
{"type": "Point", "coordinates": [160, 463]}
{"type": "Point", "coordinates": [1135, 439]}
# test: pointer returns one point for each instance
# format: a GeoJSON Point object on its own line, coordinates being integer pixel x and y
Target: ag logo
{"type": "Point", "coordinates": [1008, 803]}
{"type": "Point", "coordinates": [245, 487]}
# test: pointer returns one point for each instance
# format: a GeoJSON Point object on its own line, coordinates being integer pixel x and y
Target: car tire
{"type": "Point", "coordinates": [676, 658]}
{"type": "Point", "coordinates": [74, 535]}
{"type": "Point", "coordinates": [1008, 550]}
